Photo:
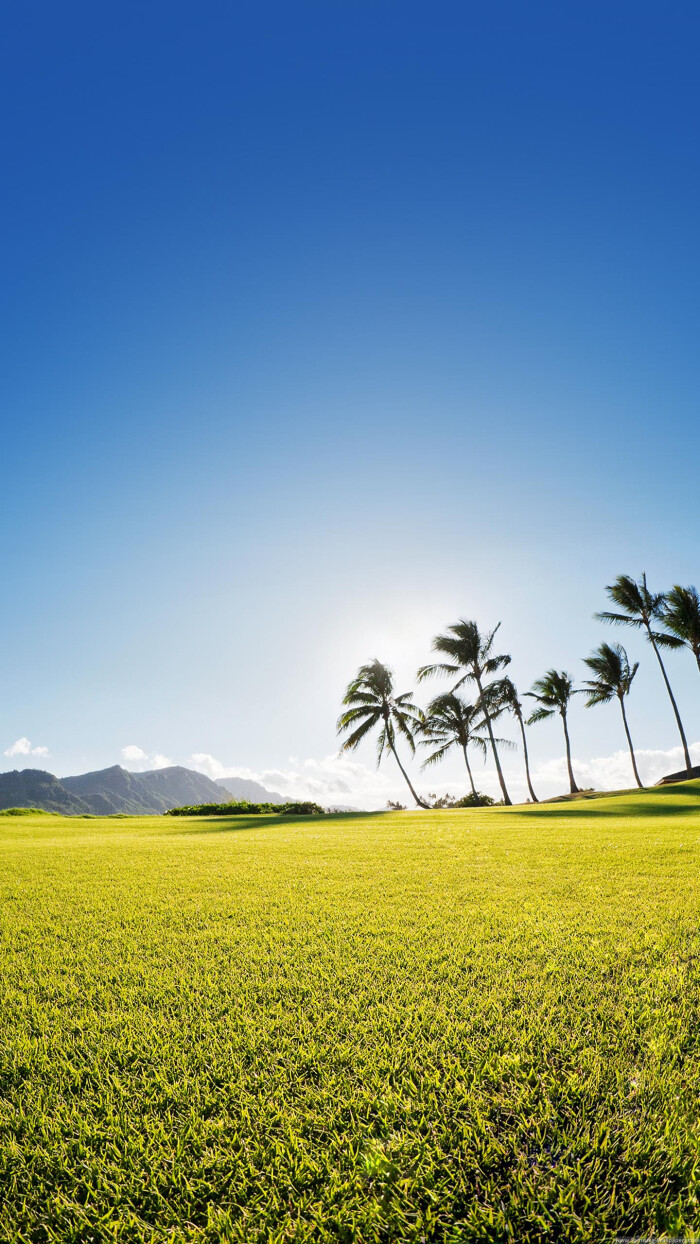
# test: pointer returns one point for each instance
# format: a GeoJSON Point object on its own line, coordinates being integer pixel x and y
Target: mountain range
{"type": "Point", "coordinates": [107, 791]}
{"type": "Point", "coordinates": [246, 788]}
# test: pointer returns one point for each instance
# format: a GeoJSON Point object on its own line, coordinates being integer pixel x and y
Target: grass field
{"type": "Point", "coordinates": [447, 1026]}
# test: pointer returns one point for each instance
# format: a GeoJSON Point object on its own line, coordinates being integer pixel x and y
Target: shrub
{"type": "Point", "coordinates": [21, 812]}
{"type": "Point", "coordinates": [243, 808]}
{"type": "Point", "coordinates": [474, 801]}
{"type": "Point", "coordinates": [469, 801]}
{"type": "Point", "coordinates": [302, 809]}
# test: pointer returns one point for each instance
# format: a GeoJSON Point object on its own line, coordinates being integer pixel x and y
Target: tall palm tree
{"type": "Point", "coordinates": [451, 722]}
{"type": "Point", "coordinates": [471, 654]}
{"type": "Point", "coordinates": [553, 693]}
{"type": "Point", "coordinates": [371, 701]}
{"type": "Point", "coordinates": [680, 614]}
{"type": "Point", "coordinates": [613, 678]}
{"type": "Point", "coordinates": [509, 698]}
{"type": "Point", "coordinates": [641, 609]}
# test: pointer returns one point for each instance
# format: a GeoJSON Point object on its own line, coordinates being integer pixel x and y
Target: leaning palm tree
{"type": "Point", "coordinates": [451, 722]}
{"type": "Point", "coordinates": [680, 615]}
{"type": "Point", "coordinates": [642, 608]}
{"type": "Point", "coordinates": [371, 701]}
{"type": "Point", "coordinates": [471, 654]}
{"type": "Point", "coordinates": [613, 678]}
{"type": "Point", "coordinates": [553, 693]}
{"type": "Point", "coordinates": [508, 696]}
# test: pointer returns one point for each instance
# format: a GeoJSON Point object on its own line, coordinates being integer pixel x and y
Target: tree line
{"type": "Point", "coordinates": [467, 655]}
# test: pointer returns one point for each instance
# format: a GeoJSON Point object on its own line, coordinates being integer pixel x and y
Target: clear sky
{"type": "Point", "coordinates": [323, 324]}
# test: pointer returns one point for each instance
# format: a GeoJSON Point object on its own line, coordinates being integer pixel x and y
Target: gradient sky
{"type": "Point", "coordinates": [324, 324]}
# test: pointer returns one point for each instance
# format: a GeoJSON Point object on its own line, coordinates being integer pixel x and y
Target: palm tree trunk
{"type": "Point", "coordinates": [469, 770]}
{"type": "Point", "coordinates": [629, 740]}
{"type": "Point", "coordinates": [506, 797]}
{"type": "Point", "coordinates": [681, 731]}
{"type": "Point", "coordinates": [572, 780]}
{"type": "Point", "coordinates": [418, 800]}
{"type": "Point", "coordinates": [521, 723]}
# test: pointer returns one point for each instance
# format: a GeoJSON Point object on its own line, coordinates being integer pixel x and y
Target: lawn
{"type": "Point", "coordinates": [446, 1026]}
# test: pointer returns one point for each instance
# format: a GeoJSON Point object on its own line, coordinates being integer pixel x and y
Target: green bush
{"type": "Point", "coordinates": [474, 801]}
{"type": "Point", "coordinates": [26, 812]}
{"type": "Point", "coordinates": [243, 808]}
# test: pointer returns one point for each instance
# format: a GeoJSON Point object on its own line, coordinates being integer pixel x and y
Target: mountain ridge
{"type": "Point", "coordinates": [104, 792]}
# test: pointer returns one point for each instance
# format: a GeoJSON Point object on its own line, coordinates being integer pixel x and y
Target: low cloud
{"type": "Point", "coordinates": [23, 747]}
{"type": "Point", "coordinates": [330, 780]}
{"type": "Point", "coordinates": [615, 772]}
{"type": "Point", "coordinates": [341, 780]}
{"type": "Point", "coordinates": [141, 760]}
{"type": "Point", "coordinates": [213, 768]}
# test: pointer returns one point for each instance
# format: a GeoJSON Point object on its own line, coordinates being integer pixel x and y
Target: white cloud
{"type": "Point", "coordinates": [144, 760]}
{"type": "Point", "coordinates": [331, 780]}
{"type": "Point", "coordinates": [204, 763]}
{"type": "Point", "coordinates": [341, 780]}
{"type": "Point", "coordinates": [23, 747]}
{"type": "Point", "coordinates": [615, 772]}
{"type": "Point", "coordinates": [132, 752]}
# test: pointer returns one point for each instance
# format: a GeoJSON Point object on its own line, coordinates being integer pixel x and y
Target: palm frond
{"type": "Point", "coordinates": [681, 615]}
{"type": "Point", "coordinates": [494, 664]}
{"type": "Point", "coordinates": [664, 640]}
{"type": "Point", "coordinates": [358, 735]}
{"type": "Point", "coordinates": [352, 715]}
{"type": "Point", "coordinates": [539, 714]}
{"type": "Point", "coordinates": [553, 690]}
{"type": "Point", "coordinates": [508, 744]}
{"type": "Point", "coordinates": [437, 755]}
{"type": "Point", "coordinates": [430, 671]}
{"type": "Point", "coordinates": [404, 725]}
{"type": "Point", "coordinates": [598, 696]}
{"type": "Point", "coordinates": [639, 605]}
{"type": "Point", "coordinates": [613, 674]}
{"type": "Point", "coordinates": [359, 697]}
{"type": "Point", "coordinates": [618, 619]}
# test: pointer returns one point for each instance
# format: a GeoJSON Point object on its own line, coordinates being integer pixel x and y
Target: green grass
{"type": "Point", "coordinates": [448, 1026]}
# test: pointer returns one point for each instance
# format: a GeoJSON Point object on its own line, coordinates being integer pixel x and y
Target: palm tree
{"type": "Point", "coordinates": [509, 698]}
{"type": "Point", "coordinates": [680, 614]}
{"type": "Point", "coordinates": [613, 677]}
{"type": "Point", "coordinates": [470, 651]}
{"type": "Point", "coordinates": [553, 693]}
{"type": "Point", "coordinates": [451, 722]}
{"type": "Point", "coordinates": [371, 701]}
{"type": "Point", "coordinates": [641, 608]}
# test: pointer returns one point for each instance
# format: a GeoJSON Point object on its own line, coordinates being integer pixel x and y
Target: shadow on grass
{"type": "Point", "coordinates": [236, 824]}
{"type": "Point", "coordinates": [654, 801]}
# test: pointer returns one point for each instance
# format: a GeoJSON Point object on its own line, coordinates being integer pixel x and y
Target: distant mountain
{"type": "Point", "coordinates": [33, 788]}
{"type": "Point", "coordinates": [117, 790]}
{"type": "Point", "coordinates": [246, 788]}
{"type": "Point", "coordinates": [108, 790]}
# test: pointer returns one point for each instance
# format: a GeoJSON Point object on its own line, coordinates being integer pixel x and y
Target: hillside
{"type": "Point", "coordinates": [108, 791]}
{"type": "Point", "coordinates": [34, 788]}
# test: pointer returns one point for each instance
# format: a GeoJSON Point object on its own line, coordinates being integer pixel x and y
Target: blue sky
{"type": "Point", "coordinates": [322, 325]}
